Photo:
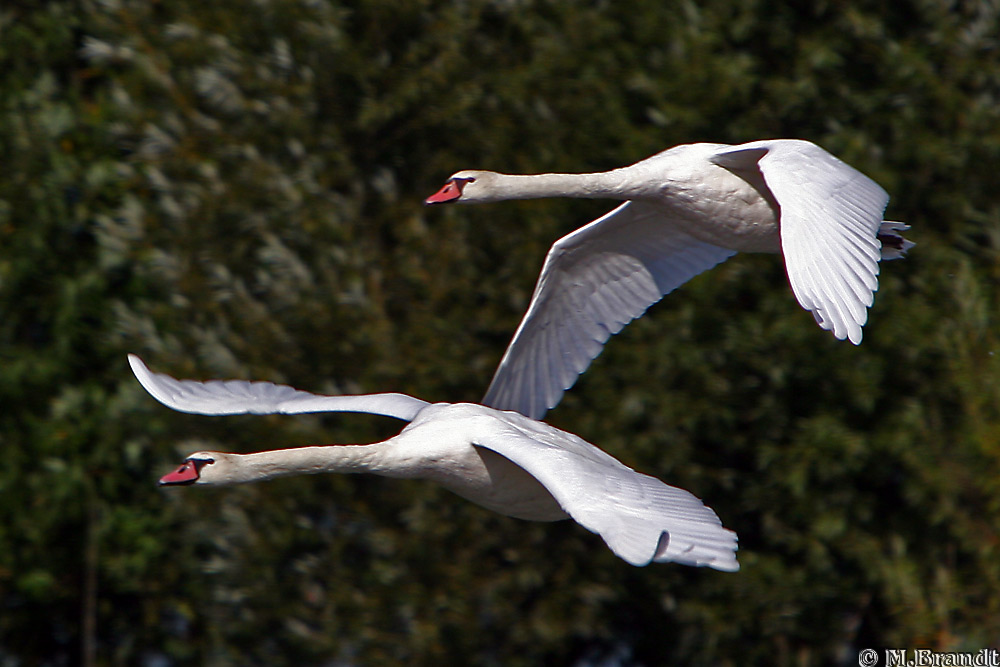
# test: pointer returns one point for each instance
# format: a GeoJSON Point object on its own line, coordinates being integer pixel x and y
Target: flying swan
{"type": "Point", "coordinates": [503, 461]}
{"type": "Point", "coordinates": [686, 210]}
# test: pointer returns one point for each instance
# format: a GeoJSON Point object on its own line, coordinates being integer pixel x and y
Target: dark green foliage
{"type": "Point", "coordinates": [232, 189]}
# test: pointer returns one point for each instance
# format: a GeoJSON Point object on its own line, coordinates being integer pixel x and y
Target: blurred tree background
{"type": "Point", "coordinates": [233, 189]}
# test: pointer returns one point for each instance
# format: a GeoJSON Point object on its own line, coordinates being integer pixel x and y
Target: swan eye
{"type": "Point", "coordinates": [198, 464]}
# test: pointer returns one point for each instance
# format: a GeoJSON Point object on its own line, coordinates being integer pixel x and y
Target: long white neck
{"type": "Point", "coordinates": [614, 184]}
{"type": "Point", "coordinates": [261, 466]}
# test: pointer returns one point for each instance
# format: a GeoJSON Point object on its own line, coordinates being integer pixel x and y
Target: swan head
{"type": "Point", "coordinates": [465, 187]}
{"type": "Point", "coordinates": [199, 468]}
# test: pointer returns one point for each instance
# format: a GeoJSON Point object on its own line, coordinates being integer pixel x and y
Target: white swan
{"type": "Point", "coordinates": [502, 461]}
{"type": "Point", "coordinates": [688, 209]}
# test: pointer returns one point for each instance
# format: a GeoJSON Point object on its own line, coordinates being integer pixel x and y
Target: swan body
{"type": "Point", "coordinates": [502, 461]}
{"type": "Point", "coordinates": [686, 210]}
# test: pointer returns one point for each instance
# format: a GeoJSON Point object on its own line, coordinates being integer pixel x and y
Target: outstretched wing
{"type": "Point", "coordinates": [237, 397]}
{"type": "Point", "coordinates": [594, 282]}
{"type": "Point", "coordinates": [830, 215]}
{"type": "Point", "coordinates": [641, 519]}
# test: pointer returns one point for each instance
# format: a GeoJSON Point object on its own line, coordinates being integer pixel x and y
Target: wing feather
{"type": "Point", "coordinates": [641, 519]}
{"type": "Point", "coordinates": [237, 397]}
{"type": "Point", "coordinates": [594, 282]}
{"type": "Point", "coordinates": [830, 216]}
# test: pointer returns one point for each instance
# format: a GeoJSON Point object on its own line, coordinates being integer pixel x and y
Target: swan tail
{"type": "Point", "coordinates": [894, 246]}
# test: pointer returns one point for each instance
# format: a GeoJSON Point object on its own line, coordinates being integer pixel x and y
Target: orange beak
{"type": "Point", "coordinates": [451, 191]}
{"type": "Point", "coordinates": [187, 473]}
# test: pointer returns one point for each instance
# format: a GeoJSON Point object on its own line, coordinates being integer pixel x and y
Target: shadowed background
{"type": "Point", "coordinates": [234, 189]}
